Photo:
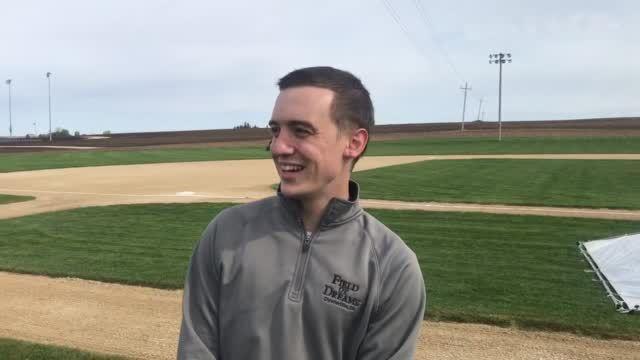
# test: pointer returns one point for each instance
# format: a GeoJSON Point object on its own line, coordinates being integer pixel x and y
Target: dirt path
{"type": "Point", "coordinates": [505, 209]}
{"type": "Point", "coordinates": [144, 323]}
{"type": "Point", "coordinates": [237, 181]}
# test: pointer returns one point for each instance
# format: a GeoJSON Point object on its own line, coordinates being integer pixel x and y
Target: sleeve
{"type": "Point", "coordinates": [199, 329]}
{"type": "Point", "coordinates": [394, 328]}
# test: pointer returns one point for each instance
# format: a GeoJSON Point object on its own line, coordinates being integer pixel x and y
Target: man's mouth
{"type": "Point", "coordinates": [291, 168]}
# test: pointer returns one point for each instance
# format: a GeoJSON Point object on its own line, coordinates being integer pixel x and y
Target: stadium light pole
{"type": "Point", "coordinates": [49, 82]}
{"type": "Point", "coordinates": [500, 58]}
{"type": "Point", "coordinates": [8, 82]}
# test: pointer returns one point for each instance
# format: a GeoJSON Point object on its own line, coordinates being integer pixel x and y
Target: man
{"type": "Point", "coordinates": [306, 274]}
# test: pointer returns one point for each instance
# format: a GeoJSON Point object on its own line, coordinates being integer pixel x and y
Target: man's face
{"type": "Point", "coordinates": [307, 148]}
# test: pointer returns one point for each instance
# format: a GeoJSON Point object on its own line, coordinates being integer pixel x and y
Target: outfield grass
{"type": "Point", "coordinates": [611, 184]}
{"type": "Point", "coordinates": [7, 199]}
{"type": "Point", "coordinates": [20, 350]}
{"type": "Point", "coordinates": [424, 146]}
{"type": "Point", "coordinates": [136, 244]}
{"type": "Point", "coordinates": [508, 145]}
{"type": "Point", "coordinates": [55, 160]}
{"type": "Point", "coordinates": [513, 270]}
{"type": "Point", "coordinates": [497, 269]}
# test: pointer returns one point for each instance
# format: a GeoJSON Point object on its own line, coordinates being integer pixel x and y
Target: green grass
{"type": "Point", "coordinates": [498, 269]}
{"type": "Point", "coordinates": [7, 199]}
{"type": "Point", "coordinates": [516, 145]}
{"type": "Point", "coordinates": [136, 244]}
{"type": "Point", "coordinates": [575, 183]}
{"type": "Point", "coordinates": [54, 160]}
{"type": "Point", "coordinates": [21, 350]}
{"type": "Point", "coordinates": [513, 270]}
{"type": "Point", "coordinates": [425, 146]}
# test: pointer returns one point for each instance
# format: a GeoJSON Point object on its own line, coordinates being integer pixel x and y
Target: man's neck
{"type": "Point", "coordinates": [314, 208]}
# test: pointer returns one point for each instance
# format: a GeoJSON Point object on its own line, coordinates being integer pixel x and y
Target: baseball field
{"type": "Point", "coordinates": [94, 243]}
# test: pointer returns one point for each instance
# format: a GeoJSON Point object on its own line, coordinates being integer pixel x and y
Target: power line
{"type": "Point", "coordinates": [398, 21]}
{"type": "Point", "coordinates": [425, 18]}
{"type": "Point", "coordinates": [439, 46]}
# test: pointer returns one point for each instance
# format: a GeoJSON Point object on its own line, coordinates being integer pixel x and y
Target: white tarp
{"type": "Point", "coordinates": [617, 263]}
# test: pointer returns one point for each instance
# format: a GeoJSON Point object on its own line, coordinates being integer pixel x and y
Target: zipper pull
{"type": "Point", "coordinates": [307, 242]}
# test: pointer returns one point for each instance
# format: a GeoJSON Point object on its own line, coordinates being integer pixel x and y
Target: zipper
{"type": "Point", "coordinates": [295, 294]}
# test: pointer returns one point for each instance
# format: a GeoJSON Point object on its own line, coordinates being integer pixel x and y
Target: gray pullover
{"type": "Point", "coordinates": [258, 287]}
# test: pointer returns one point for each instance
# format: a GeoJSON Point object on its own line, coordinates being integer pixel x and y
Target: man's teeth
{"type": "Point", "coordinates": [291, 167]}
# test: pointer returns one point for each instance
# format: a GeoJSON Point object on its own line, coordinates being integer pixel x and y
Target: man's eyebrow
{"type": "Point", "coordinates": [300, 123]}
{"type": "Point", "coordinates": [293, 122]}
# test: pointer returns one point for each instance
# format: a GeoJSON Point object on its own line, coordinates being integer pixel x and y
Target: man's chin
{"type": "Point", "coordinates": [292, 191]}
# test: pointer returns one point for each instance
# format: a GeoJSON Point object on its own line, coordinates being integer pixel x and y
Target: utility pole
{"type": "Point", "coordinates": [464, 104]}
{"type": "Point", "coordinates": [49, 81]}
{"type": "Point", "coordinates": [8, 82]}
{"type": "Point", "coordinates": [499, 58]}
{"type": "Point", "coordinates": [479, 108]}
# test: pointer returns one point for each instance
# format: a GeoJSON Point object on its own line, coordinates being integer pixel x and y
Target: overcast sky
{"type": "Point", "coordinates": [168, 65]}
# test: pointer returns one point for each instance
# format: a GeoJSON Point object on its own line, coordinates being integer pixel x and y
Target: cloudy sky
{"type": "Point", "coordinates": [166, 65]}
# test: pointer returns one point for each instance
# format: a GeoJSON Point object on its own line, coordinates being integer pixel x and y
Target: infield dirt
{"type": "Point", "coordinates": [227, 181]}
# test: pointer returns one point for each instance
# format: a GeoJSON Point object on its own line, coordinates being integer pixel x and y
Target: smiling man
{"type": "Point", "coordinates": [306, 274]}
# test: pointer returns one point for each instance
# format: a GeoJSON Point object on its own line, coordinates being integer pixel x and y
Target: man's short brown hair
{"type": "Point", "coordinates": [351, 107]}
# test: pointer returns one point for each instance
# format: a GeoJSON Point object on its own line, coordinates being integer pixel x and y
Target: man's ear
{"type": "Point", "coordinates": [357, 143]}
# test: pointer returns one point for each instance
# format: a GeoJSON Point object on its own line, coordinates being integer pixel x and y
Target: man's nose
{"type": "Point", "coordinates": [282, 144]}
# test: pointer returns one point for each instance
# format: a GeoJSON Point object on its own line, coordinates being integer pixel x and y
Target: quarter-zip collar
{"type": "Point", "coordinates": [338, 211]}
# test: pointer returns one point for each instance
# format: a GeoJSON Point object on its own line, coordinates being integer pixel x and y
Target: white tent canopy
{"type": "Point", "coordinates": [617, 264]}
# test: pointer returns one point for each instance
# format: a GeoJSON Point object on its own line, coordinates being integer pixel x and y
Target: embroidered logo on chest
{"type": "Point", "coordinates": [342, 293]}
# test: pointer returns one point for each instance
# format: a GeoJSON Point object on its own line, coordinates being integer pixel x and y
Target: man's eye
{"type": "Point", "coordinates": [302, 132]}
{"type": "Point", "coordinates": [275, 130]}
